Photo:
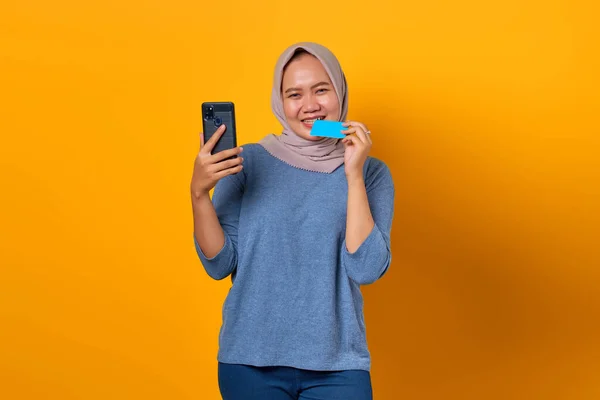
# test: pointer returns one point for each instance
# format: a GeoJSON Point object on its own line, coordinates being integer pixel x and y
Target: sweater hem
{"type": "Point", "coordinates": [337, 366]}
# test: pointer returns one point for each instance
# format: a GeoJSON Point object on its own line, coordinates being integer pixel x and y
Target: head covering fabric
{"type": "Point", "coordinates": [326, 154]}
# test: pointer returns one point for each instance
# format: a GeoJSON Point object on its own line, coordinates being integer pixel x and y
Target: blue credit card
{"type": "Point", "coordinates": [328, 129]}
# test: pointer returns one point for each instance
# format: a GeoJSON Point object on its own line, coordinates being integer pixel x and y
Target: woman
{"type": "Point", "coordinates": [299, 222]}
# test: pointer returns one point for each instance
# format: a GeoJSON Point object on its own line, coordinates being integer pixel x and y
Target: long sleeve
{"type": "Point", "coordinates": [227, 199]}
{"type": "Point", "coordinates": [372, 259]}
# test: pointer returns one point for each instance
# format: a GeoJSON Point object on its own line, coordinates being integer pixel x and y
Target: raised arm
{"type": "Point", "coordinates": [209, 237]}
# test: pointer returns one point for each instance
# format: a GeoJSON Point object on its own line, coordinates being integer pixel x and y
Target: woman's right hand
{"type": "Point", "coordinates": [210, 168]}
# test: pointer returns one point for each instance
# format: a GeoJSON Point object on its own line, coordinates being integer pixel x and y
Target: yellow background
{"type": "Point", "coordinates": [486, 112]}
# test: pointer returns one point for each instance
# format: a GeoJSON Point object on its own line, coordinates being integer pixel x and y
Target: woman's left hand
{"type": "Point", "coordinates": [357, 144]}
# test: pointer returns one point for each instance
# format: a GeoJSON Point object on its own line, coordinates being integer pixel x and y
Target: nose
{"type": "Point", "coordinates": [310, 103]}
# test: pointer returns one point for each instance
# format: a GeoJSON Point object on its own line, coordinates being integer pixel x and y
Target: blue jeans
{"type": "Point", "coordinates": [246, 382]}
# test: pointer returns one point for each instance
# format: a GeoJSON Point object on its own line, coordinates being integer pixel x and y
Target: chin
{"type": "Point", "coordinates": [312, 138]}
{"type": "Point", "coordinates": [304, 133]}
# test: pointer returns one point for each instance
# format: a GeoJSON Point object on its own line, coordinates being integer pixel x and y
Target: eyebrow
{"type": "Point", "coordinates": [312, 87]}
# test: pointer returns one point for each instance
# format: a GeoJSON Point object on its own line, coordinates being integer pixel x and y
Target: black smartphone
{"type": "Point", "coordinates": [214, 114]}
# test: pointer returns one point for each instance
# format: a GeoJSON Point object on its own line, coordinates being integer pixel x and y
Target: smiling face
{"type": "Point", "coordinates": [308, 95]}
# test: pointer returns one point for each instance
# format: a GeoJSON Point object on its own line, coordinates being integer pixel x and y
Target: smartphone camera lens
{"type": "Point", "coordinates": [210, 113]}
{"type": "Point", "coordinates": [218, 121]}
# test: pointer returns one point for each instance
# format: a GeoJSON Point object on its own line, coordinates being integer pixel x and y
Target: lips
{"type": "Point", "coordinates": [310, 121]}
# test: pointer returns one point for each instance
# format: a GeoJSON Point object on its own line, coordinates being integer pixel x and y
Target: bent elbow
{"type": "Point", "coordinates": [372, 273]}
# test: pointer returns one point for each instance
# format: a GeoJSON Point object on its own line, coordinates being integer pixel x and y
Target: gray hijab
{"type": "Point", "coordinates": [324, 155]}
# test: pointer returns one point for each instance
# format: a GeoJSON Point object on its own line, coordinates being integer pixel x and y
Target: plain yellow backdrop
{"type": "Point", "coordinates": [486, 113]}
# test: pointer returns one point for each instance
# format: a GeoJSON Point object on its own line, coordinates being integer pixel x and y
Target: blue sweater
{"type": "Point", "coordinates": [295, 298]}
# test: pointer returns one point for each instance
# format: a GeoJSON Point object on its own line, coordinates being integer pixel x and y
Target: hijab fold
{"type": "Point", "coordinates": [326, 154]}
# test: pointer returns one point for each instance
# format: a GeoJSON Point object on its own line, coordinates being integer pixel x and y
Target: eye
{"type": "Point", "coordinates": [293, 95]}
{"type": "Point", "coordinates": [322, 90]}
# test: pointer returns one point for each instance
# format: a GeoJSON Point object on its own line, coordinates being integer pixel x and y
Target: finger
{"type": "Point", "coordinates": [201, 140]}
{"type": "Point", "coordinates": [222, 155]}
{"type": "Point", "coordinates": [367, 138]}
{"type": "Point", "coordinates": [360, 130]}
{"type": "Point", "coordinates": [220, 166]}
{"type": "Point", "coordinates": [362, 126]}
{"type": "Point", "coordinates": [350, 131]}
{"type": "Point", "coordinates": [360, 134]}
{"type": "Point", "coordinates": [229, 171]}
{"type": "Point", "coordinates": [352, 140]}
{"type": "Point", "coordinates": [210, 145]}
{"type": "Point", "coordinates": [356, 123]}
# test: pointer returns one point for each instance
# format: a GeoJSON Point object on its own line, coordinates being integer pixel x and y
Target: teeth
{"type": "Point", "coordinates": [310, 121]}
